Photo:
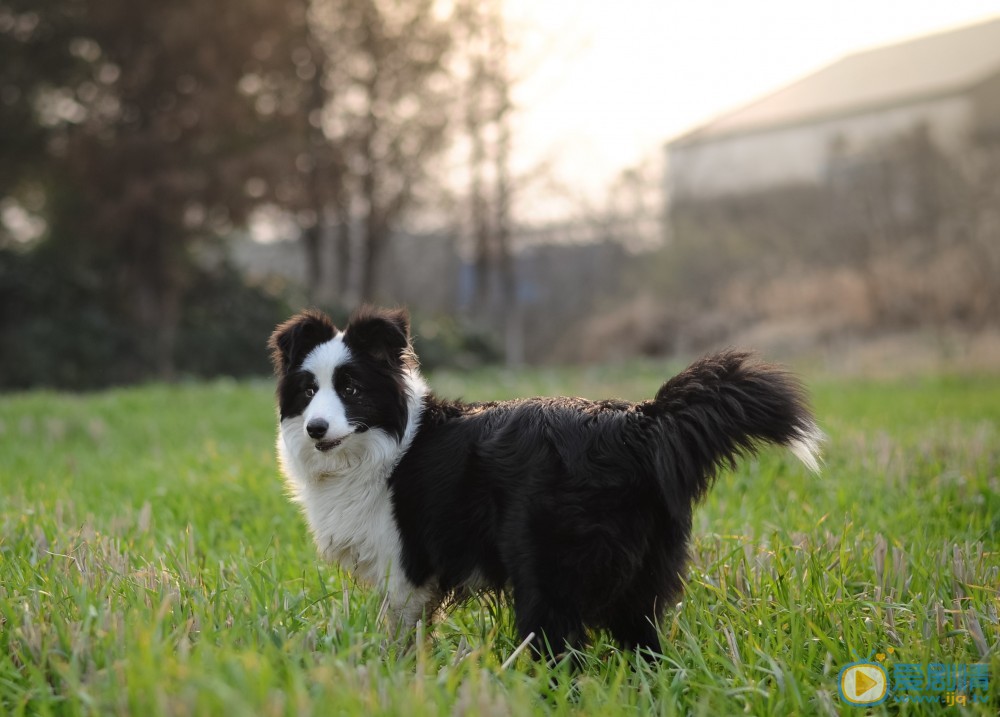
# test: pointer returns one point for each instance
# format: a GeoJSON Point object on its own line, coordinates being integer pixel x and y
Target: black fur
{"type": "Point", "coordinates": [580, 509]}
{"type": "Point", "coordinates": [583, 508]}
{"type": "Point", "coordinates": [290, 343]}
{"type": "Point", "coordinates": [369, 386]}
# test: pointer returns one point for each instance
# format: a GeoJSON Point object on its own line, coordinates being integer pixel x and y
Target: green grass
{"type": "Point", "coordinates": [150, 564]}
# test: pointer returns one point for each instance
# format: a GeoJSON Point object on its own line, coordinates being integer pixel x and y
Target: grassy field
{"type": "Point", "coordinates": [151, 565]}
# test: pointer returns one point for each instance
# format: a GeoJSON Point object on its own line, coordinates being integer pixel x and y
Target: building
{"type": "Point", "coordinates": [947, 84]}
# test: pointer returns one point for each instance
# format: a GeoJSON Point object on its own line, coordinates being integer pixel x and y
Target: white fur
{"type": "Point", "coordinates": [322, 361]}
{"type": "Point", "coordinates": [344, 492]}
{"type": "Point", "coordinates": [807, 446]}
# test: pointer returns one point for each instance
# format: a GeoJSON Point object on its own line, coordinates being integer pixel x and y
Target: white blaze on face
{"type": "Point", "coordinates": [322, 362]}
{"type": "Point", "coordinates": [344, 492]}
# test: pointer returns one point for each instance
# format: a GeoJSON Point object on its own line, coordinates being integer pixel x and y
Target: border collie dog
{"type": "Point", "coordinates": [580, 510]}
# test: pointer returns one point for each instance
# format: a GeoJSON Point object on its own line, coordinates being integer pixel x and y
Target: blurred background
{"type": "Point", "coordinates": [538, 182]}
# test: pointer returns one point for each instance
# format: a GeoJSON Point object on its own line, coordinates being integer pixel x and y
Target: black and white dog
{"type": "Point", "coordinates": [580, 509]}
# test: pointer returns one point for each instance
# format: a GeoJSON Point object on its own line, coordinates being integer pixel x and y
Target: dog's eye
{"type": "Point", "coordinates": [350, 390]}
{"type": "Point", "coordinates": [310, 392]}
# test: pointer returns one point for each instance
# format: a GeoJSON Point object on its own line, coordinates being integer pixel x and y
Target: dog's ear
{"type": "Point", "coordinates": [382, 334]}
{"type": "Point", "coordinates": [292, 341]}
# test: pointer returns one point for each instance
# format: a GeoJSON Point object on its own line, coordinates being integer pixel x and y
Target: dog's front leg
{"type": "Point", "coordinates": [404, 605]}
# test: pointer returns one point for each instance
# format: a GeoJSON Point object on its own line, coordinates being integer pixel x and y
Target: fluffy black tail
{"type": "Point", "coordinates": [725, 406]}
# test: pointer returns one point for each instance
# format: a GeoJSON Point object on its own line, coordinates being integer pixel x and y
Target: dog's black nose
{"type": "Point", "coordinates": [317, 428]}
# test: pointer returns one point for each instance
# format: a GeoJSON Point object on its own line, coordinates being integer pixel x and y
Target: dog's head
{"type": "Point", "coordinates": [334, 385]}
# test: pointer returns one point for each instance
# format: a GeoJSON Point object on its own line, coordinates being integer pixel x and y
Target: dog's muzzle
{"type": "Point", "coordinates": [324, 446]}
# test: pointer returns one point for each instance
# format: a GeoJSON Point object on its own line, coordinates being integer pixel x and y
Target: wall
{"type": "Point", "coordinates": [798, 154]}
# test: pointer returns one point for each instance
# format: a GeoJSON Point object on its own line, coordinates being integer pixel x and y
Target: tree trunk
{"type": "Point", "coordinates": [312, 242]}
{"type": "Point", "coordinates": [342, 257]}
{"type": "Point", "coordinates": [509, 295]}
{"type": "Point", "coordinates": [375, 228]}
{"type": "Point", "coordinates": [375, 239]}
{"type": "Point", "coordinates": [154, 294]}
{"type": "Point", "coordinates": [478, 207]}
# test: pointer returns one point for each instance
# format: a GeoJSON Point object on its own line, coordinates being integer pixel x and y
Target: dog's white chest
{"type": "Point", "coordinates": [345, 497]}
{"type": "Point", "coordinates": [352, 524]}
{"type": "Point", "coordinates": [348, 507]}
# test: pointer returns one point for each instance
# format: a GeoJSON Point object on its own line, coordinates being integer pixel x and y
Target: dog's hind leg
{"type": "Point", "coordinates": [636, 632]}
{"type": "Point", "coordinates": [634, 614]}
{"type": "Point", "coordinates": [555, 625]}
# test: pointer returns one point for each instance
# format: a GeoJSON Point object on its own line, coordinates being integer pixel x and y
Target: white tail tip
{"type": "Point", "coordinates": [806, 447]}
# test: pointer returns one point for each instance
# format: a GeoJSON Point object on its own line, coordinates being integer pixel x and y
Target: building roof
{"type": "Point", "coordinates": [930, 66]}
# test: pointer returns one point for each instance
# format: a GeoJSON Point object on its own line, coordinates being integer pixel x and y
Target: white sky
{"type": "Point", "coordinates": [605, 84]}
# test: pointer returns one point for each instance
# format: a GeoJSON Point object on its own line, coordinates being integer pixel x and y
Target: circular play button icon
{"type": "Point", "coordinates": [863, 683]}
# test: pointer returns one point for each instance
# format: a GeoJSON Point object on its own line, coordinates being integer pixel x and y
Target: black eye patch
{"type": "Point", "coordinates": [294, 393]}
{"type": "Point", "coordinates": [372, 394]}
{"type": "Point", "coordinates": [346, 383]}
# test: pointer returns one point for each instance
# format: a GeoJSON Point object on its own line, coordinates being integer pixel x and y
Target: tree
{"type": "Point", "coordinates": [386, 109]}
{"type": "Point", "coordinates": [148, 130]}
{"type": "Point", "coordinates": [487, 108]}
